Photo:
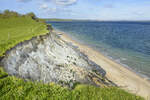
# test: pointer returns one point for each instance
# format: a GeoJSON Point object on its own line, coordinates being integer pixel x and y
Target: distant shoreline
{"type": "Point", "coordinates": [124, 77]}
{"type": "Point", "coordinates": [85, 20]}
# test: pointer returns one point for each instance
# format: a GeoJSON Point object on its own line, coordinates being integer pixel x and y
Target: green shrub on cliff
{"type": "Point", "coordinates": [7, 14]}
{"type": "Point", "coordinates": [12, 88]}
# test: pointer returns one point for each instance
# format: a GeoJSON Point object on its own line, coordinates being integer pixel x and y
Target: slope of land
{"type": "Point", "coordinates": [49, 59]}
{"type": "Point", "coordinates": [14, 30]}
{"type": "Point", "coordinates": [25, 29]}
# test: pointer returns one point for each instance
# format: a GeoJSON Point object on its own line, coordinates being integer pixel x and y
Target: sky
{"type": "Point", "coordinates": [82, 9]}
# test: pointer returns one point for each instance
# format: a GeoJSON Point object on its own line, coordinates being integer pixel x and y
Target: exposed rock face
{"type": "Point", "coordinates": [50, 59]}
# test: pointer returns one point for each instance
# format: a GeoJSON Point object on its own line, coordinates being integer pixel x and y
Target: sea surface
{"type": "Point", "coordinates": [127, 43]}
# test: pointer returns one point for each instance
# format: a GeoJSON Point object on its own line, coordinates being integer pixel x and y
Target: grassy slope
{"type": "Point", "coordinates": [14, 88]}
{"type": "Point", "coordinates": [15, 30]}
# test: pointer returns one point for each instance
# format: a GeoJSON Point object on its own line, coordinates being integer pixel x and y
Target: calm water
{"type": "Point", "coordinates": [125, 42]}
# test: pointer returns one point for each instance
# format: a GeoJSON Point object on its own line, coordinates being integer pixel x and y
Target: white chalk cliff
{"type": "Point", "coordinates": [48, 58]}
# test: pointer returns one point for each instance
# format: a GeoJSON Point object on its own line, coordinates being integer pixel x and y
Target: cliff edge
{"type": "Point", "coordinates": [48, 58]}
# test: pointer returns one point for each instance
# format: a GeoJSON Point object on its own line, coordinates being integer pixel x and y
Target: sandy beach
{"type": "Point", "coordinates": [123, 77]}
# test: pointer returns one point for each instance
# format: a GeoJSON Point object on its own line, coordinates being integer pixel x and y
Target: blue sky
{"type": "Point", "coordinates": [82, 9]}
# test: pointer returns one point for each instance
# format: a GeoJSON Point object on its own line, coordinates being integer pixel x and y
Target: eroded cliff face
{"type": "Point", "coordinates": [50, 59]}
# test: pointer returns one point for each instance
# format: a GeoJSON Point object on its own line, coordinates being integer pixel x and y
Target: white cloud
{"type": "Point", "coordinates": [57, 7]}
{"type": "Point", "coordinates": [24, 0]}
{"type": "Point", "coordinates": [52, 10]}
{"type": "Point", "coordinates": [43, 6]}
{"type": "Point", "coordinates": [47, 9]}
{"type": "Point", "coordinates": [109, 6]}
{"type": "Point", "coordinates": [65, 2]}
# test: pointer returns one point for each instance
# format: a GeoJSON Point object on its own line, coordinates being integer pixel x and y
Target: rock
{"type": "Point", "coordinates": [49, 59]}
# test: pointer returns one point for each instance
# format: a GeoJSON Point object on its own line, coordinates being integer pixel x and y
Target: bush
{"type": "Point", "coordinates": [8, 14]}
{"type": "Point", "coordinates": [32, 15]}
{"type": "Point", "coordinates": [12, 88]}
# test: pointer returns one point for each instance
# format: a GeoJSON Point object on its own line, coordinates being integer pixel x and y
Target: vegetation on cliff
{"type": "Point", "coordinates": [17, 89]}
{"type": "Point", "coordinates": [16, 28]}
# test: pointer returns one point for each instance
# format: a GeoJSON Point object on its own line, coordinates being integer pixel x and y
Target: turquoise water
{"type": "Point", "coordinates": [127, 43]}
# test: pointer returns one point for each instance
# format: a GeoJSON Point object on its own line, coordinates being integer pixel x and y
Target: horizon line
{"type": "Point", "coordinates": [91, 19]}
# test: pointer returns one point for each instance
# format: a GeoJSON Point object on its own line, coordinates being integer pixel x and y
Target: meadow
{"type": "Point", "coordinates": [14, 30]}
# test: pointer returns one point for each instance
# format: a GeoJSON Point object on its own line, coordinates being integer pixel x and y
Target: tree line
{"type": "Point", "coordinates": [9, 14]}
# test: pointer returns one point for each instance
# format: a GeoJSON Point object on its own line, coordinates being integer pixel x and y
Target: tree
{"type": "Point", "coordinates": [13, 13]}
{"type": "Point", "coordinates": [6, 13]}
{"type": "Point", "coordinates": [31, 14]}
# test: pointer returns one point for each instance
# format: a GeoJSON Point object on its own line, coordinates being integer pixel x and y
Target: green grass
{"type": "Point", "coordinates": [12, 88]}
{"type": "Point", "coordinates": [14, 30]}
{"type": "Point", "coordinates": [17, 29]}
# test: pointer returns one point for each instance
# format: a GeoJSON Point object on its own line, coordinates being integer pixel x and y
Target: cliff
{"type": "Point", "coordinates": [48, 58]}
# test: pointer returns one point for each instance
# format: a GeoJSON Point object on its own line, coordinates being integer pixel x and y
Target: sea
{"type": "Point", "coordinates": [127, 43]}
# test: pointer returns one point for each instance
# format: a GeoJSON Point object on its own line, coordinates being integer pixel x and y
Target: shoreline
{"type": "Point", "coordinates": [105, 55]}
{"type": "Point", "coordinates": [121, 75]}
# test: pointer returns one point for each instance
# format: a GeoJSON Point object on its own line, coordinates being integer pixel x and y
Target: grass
{"type": "Point", "coordinates": [14, 30]}
{"type": "Point", "coordinates": [17, 89]}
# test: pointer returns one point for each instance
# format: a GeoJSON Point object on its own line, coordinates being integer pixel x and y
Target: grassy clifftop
{"type": "Point", "coordinates": [17, 29]}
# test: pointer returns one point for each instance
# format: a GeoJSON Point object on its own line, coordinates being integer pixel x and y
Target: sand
{"type": "Point", "coordinates": [120, 75]}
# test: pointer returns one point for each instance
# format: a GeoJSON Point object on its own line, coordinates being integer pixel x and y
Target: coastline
{"type": "Point", "coordinates": [118, 73]}
{"type": "Point", "coordinates": [104, 54]}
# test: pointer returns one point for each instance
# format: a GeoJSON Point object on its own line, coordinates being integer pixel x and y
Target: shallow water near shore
{"type": "Point", "coordinates": [127, 43]}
